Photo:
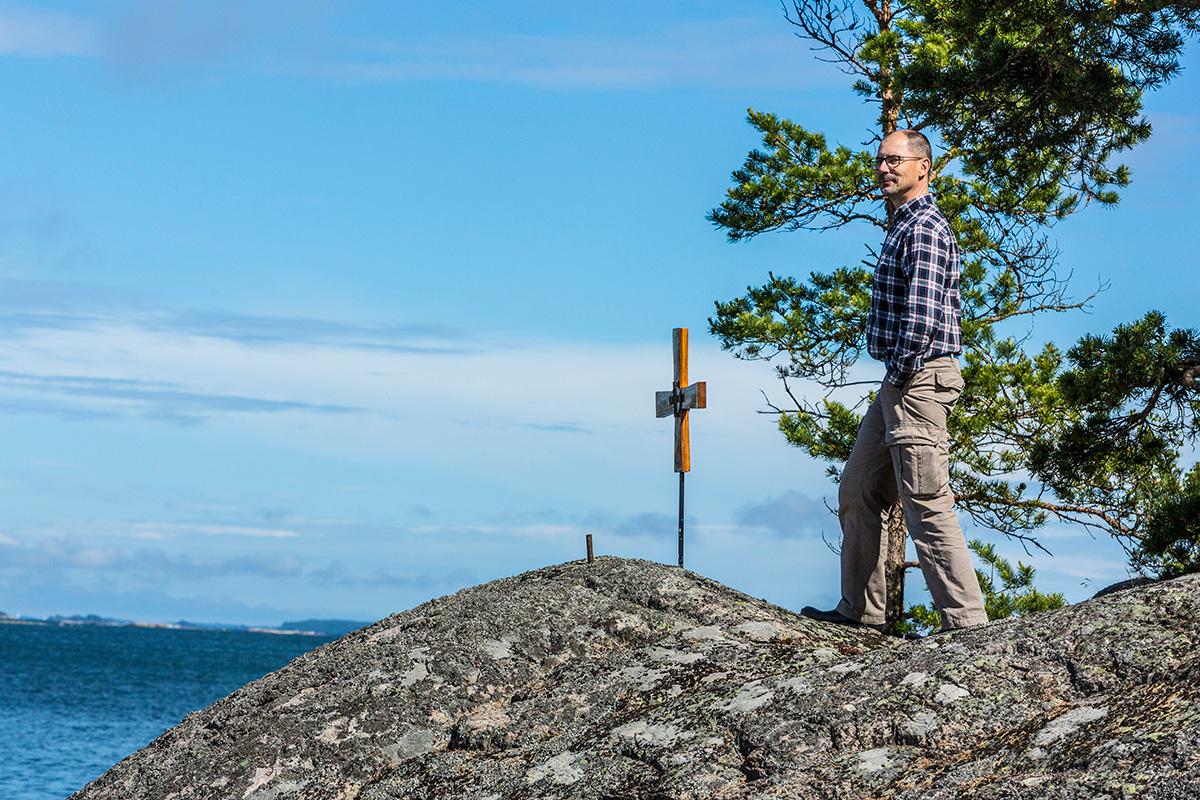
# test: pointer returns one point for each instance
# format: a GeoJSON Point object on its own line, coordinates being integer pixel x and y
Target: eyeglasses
{"type": "Point", "coordinates": [894, 161]}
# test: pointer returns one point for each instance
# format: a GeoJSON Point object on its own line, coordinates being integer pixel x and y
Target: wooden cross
{"type": "Point", "coordinates": [677, 403]}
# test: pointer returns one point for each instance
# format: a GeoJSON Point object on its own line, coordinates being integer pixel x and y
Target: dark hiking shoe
{"type": "Point", "coordinates": [838, 619]}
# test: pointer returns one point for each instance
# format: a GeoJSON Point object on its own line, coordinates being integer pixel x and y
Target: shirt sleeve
{"type": "Point", "coordinates": [924, 266]}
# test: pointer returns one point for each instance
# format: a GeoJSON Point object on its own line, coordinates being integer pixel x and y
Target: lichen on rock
{"type": "Point", "coordinates": [629, 679]}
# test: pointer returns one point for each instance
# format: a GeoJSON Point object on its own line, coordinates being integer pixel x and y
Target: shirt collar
{"type": "Point", "coordinates": [911, 207]}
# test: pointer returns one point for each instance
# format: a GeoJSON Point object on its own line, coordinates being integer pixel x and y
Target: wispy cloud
{"type": "Point", "coordinates": [555, 527]}
{"type": "Point", "coordinates": [70, 553]}
{"type": "Point", "coordinates": [152, 37]}
{"type": "Point", "coordinates": [173, 529]}
{"type": "Point", "coordinates": [250, 329]}
{"type": "Point", "coordinates": [105, 396]}
{"type": "Point", "coordinates": [27, 305]}
{"type": "Point", "coordinates": [647, 524]}
{"type": "Point", "coordinates": [557, 427]}
{"type": "Point", "coordinates": [307, 39]}
{"type": "Point", "coordinates": [82, 354]}
{"type": "Point", "coordinates": [336, 573]}
{"type": "Point", "coordinates": [30, 32]}
{"type": "Point", "coordinates": [355, 387]}
{"type": "Point", "coordinates": [790, 514]}
{"type": "Point", "coordinates": [168, 33]}
{"type": "Point", "coordinates": [521, 531]}
{"type": "Point", "coordinates": [719, 53]}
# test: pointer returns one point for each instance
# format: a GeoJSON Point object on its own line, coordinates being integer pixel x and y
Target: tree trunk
{"type": "Point", "coordinates": [889, 122]}
{"type": "Point", "coordinates": [897, 535]}
{"type": "Point", "coordinates": [889, 106]}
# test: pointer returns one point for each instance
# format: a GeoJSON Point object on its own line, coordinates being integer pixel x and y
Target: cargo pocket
{"type": "Point", "coordinates": [949, 382]}
{"type": "Point", "coordinates": [924, 461]}
{"type": "Point", "coordinates": [924, 469]}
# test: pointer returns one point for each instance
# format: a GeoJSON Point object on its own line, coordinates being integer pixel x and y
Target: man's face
{"type": "Point", "coordinates": [904, 181]}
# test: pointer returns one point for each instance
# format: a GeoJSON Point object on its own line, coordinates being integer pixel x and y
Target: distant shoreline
{"type": "Point", "coordinates": [333, 629]}
{"type": "Point", "coordinates": [155, 625]}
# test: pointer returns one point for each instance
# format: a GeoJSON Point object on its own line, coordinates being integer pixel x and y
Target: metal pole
{"type": "Point", "coordinates": [681, 518]}
{"type": "Point", "coordinates": [590, 557]}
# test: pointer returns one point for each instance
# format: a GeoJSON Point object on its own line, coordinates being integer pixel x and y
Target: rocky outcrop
{"type": "Point", "coordinates": [628, 679]}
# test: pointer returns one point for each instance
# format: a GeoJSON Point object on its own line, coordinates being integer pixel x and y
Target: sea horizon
{"type": "Point", "coordinates": [79, 698]}
{"type": "Point", "coordinates": [305, 627]}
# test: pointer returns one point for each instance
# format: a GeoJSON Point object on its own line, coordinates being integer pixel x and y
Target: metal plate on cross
{"type": "Point", "coordinates": [692, 396]}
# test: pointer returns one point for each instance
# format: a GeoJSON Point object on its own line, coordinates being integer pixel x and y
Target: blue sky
{"type": "Point", "coordinates": [325, 309]}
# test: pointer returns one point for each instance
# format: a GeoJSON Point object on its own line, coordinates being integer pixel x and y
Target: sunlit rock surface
{"type": "Point", "coordinates": [629, 679]}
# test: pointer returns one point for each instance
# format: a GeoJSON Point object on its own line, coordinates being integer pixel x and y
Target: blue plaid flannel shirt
{"type": "Point", "coordinates": [915, 307]}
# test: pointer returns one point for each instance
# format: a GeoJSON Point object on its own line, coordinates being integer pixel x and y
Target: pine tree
{"type": "Point", "coordinates": [1138, 402]}
{"type": "Point", "coordinates": [1033, 102]}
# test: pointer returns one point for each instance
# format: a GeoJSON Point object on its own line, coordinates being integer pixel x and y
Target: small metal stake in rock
{"type": "Point", "coordinates": [589, 548]}
{"type": "Point", "coordinates": [677, 402]}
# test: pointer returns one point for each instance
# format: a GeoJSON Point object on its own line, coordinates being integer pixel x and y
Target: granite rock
{"type": "Point", "coordinates": [630, 679]}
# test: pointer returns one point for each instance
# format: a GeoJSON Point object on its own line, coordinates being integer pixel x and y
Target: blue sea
{"type": "Point", "coordinates": [75, 700]}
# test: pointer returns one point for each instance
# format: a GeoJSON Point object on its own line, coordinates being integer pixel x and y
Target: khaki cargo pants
{"type": "Point", "coordinates": [901, 449]}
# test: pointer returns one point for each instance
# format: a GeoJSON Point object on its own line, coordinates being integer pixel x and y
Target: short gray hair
{"type": "Point", "coordinates": [917, 143]}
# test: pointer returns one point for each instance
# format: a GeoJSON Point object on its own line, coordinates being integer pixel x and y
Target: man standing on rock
{"type": "Point", "coordinates": [902, 444]}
